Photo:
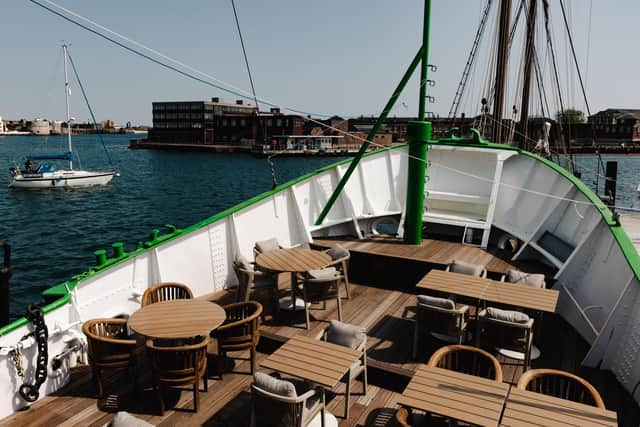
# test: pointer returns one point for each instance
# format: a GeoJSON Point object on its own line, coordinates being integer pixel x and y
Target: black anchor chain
{"type": "Point", "coordinates": [30, 392]}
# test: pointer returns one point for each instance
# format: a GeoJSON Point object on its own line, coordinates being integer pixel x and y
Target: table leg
{"type": "Point", "coordinates": [322, 411]}
{"type": "Point", "coordinates": [294, 277]}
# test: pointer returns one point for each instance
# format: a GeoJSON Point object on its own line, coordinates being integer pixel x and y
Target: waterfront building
{"type": "Point", "coordinates": [616, 125]}
{"type": "Point", "coordinates": [40, 127]}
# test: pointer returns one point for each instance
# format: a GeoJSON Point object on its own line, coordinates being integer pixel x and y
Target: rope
{"type": "Point", "coordinates": [86, 100]}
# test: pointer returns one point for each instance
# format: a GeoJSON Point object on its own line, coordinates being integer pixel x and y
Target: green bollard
{"type": "Point", "coordinates": [101, 257]}
{"type": "Point", "coordinates": [118, 249]}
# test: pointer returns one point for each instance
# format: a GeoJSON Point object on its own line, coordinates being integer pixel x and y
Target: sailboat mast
{"type": "Point", "coordinates": [526, 83]}
{"type": "Point", "coordinates": [66, 98]}
{"type": "Point", "coordinates": [501, 68]}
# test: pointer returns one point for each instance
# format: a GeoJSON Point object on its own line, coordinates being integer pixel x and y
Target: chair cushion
{"type": "Point", "coordinates": [507, 315]}
{"type": "Point", "coordinates": [242, 262]}
{"type": "Point", "coordinates": [466, 268]}
{"type": "Point", "coordinates": [436, 302]}
{"type": "Point", "coordinates": [345, 334]}
{"type": "Point", "coordinates": [323, 273]}
{"type": "Point", "coordinates": [274, 385]}
{"type": "Point", "coordinates": [125, 419]}
{"type": "Point", "coordinates": [267, 245]}
{"type": "Point", "coordinates": [337, 252]}
{"type": "Point", "coordinates": [534, 280]}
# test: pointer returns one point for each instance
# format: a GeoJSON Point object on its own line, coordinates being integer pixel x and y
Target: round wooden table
{"type": "Point", "coordinates": [177, 319]}
{"type": "Point", "coordinates": [294, 261]}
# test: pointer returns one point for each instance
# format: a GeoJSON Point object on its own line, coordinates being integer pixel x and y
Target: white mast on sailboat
{"type": "Point", "coordinates": [67, 90]}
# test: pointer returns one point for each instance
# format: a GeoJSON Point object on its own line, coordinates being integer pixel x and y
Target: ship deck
{"type": "Point", "coordinates": [382, 300]}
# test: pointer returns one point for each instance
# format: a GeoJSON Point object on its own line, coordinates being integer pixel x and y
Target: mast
{"type": "Point", "coordinates": [66, 98]}
{"type": "Point", "coordinates": [501, 68]}
{"type": "Point", "coordinates": [418, 133]}
{"type": "Point", "coordinates": [529, 57]}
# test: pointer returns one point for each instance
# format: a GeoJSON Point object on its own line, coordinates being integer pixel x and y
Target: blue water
{"type": "Point", "coordinates": [53, 233]}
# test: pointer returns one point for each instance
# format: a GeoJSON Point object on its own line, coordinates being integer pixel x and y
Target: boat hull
{"type": "Point", "coordinates": [62, 179]}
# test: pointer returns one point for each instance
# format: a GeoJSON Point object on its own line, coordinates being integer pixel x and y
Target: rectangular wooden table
{"type": "Point", "coordinates": [526, 408]}
{"type": "Point", "coordinates": [455, 395]}
{"type": "Point", "coordinates": [313, 360]}
{"type": "Point", "coordinates": [490, 290]}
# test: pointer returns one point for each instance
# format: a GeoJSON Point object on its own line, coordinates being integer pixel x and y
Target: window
{"type": "Point", "coordinates": [279, 122]}
{"type": "Point", "coordinates": [243, 122]}
{"type": "Point", "coordinates": [233, 122]}
{"type": "Point", "coordinates": [224, 122]}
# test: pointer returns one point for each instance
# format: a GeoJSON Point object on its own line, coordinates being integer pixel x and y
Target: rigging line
{"type": "Point", "coordinates": [586, 74]}
{"type": "Point", "coordinates": [244, 52]}
{"type": "Point", "coordinates": [86, 100]}
{"type": "Point", "coordinates": [238, 92]}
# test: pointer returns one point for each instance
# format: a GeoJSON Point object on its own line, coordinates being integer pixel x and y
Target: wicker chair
{"type": "Point", "coordinates": [108, 347]}
{"type": "Point", "coordinates": [355, 337]}
{"type": "Point", "coordinates": [340, 260]}
{"type": "Point", "coordinates": [279, 403]}
{"type": "Point", "coordinates": [441, 318]}
{"type": "Point", "coordinates": [320, 286]}
{"type": "Point", "coordinates": [240, 331]}
{"type": "Point", "coordinates": [179, 365]}
{"type": "Point", "coordinates": [165, 292]}
{"type": "Point", "coordinates": [467, 359]}
{"type": "Point", "coordinates": [560, 384]}
{"type": "Point", "coordinates": [250, 279]}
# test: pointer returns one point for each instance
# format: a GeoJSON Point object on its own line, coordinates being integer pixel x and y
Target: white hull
{"type": "Point", "coordinates": [63, 179]}
{"type": "Point", "coordinates": [484, 189]}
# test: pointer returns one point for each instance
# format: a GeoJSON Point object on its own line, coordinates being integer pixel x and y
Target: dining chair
{"type": "Point", "coordinates": [279, 402]}
{"type": "Point", "coordinates": [457, 266]}
{"type": "Point", "coordinates": [564, 385]}
{"type": "Point", "coordinates": [321, 286]}
{"type": "Point", "coordinates": [250, 279]}
{"type": "Point", "coordinates": [240, 331]}
{"type": "Point", "coordinates": [179, 365]}
{"type": "Point", "coordinates": [441, 318]}
{"type": "Point", "coordinates": [165, 291]}
{"type": "Point", "coordinates": [355, 337]}
{"type": "Point", "coordinates": [517, 276]}
{"type": "Point", "coordinates": [109, 347]}
{"type": "Point", "coordinates": [267, 245]}
{"type": "Point", "coordinates": [468, 360]}
{"type": "Point", "coordinates": [508, 331]}
{"type": "Point", "coordinates": [340, 260]}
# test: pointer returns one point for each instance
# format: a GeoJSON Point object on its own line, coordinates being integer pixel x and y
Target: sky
{"type": "Point", "coordinates": [323, 57]}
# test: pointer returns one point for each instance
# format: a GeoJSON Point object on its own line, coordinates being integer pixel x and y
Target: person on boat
{"type": "Point", "coordinates": [30, 166]}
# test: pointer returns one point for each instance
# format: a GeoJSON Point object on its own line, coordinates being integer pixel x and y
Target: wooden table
{"type": "Point", "coordinates": [177, 319]}
{"type": "Point", "coordinates": [294, 261]}
{"type": "Point", "coordinates": [313, 360]}
{"type": "Point", "coordinates": [526, 408]}
{"type": "Point", "coordinates": [455, 395]}
{"type": "Point", "coordinates": [490, 290]}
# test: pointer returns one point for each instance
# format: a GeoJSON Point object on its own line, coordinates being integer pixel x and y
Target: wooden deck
{"type": "Point", "coordinates": [386, 311]}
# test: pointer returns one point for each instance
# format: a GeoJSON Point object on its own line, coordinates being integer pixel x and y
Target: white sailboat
{"type": "Point", "coordinates": [46, 174]}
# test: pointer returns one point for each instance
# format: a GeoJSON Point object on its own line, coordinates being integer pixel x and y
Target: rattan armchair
{"type": "Point", "coordinates": [560, 384]}
{"type": "Point", "coordinates": [468, 360]}
{"type": "Point", "coordinates": [240, 331]}
{"type": "Point", "coordinates": [179, 365]}
{"type": "Point", "coordinates": [108, 347]}
{"type": "Point", "coordinates": [250, 279]}
{"type": "Point", "coordinates": [442, 318]}
{"type": "Point", "coordinates": [510, 332]}
{"type": "Point", "coordinates": [165, 291]}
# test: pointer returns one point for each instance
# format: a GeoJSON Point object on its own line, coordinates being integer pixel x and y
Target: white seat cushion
{"type": "Point", "coordinates": [345, 334]}
{"type": "Point", "coordinates": [243, 262]}
{"type": "Point", "coordinates": [267, 245]}
{"type": "Point", "coordinates": [323, 273]}
{"type": "Point", "coordinates": [466, 268]}
{"type": "Point", "coordinates": [533, 280]}
{"type": "Point", "coordinates": [436, 302]}
{"type": "Point", "coordinates": [337, 252]}
{"type": "Point", "coordinates": [125, 419]}
{"type": "Point", "coordinates": [274, 385]}
{"type": "Point", "coordinates": [507, 315]}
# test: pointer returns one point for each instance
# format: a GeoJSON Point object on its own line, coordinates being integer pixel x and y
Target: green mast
{"type": "Point", "coordinates": [418, 133]}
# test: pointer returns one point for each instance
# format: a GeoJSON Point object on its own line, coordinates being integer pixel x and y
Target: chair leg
{"type": "Point", "coordinates": [346, 279]}
{"type": "Point", "coordinates": [98, 380]}
{"type": "Point", "coordinates": [339, 308]}
{"type": "Point", "coordinates": [205, 382]}
{"type": "Point", "coordinates": [160, 398]}
{"type": "Point", "coordinates": [253, 359]}
{"type": "Point", "coordinates": [196, 396]}
{"type": "Point", "coordinates": [414, 349]}
{"type": "Point", "coordinates": [365, 381]}
{"type": "Point", "coordinates": [346, 399]}
{"type": "Point", "coordinates": [221, 359]}
{"type": "Point", "coordinates": [306, 313]}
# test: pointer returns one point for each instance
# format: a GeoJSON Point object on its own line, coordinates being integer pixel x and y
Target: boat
{"type": "Point", "coordinates": [46, 174]}
{"type": "Point", "coordinates": [401, 214]}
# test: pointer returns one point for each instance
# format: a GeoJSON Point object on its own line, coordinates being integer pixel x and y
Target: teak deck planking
{"type": "Point", "coordinates": [388, 316]}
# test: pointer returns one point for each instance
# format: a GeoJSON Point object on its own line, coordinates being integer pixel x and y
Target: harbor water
{"type": "Point", "coordinates": [53, 233]}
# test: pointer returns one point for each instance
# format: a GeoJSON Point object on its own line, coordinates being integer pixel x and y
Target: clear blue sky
{"type": "Point", "coordinates": [331, 56]}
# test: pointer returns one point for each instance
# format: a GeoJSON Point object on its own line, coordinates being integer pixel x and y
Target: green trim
{"type": "Point", "coordinates": [61, 296]}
